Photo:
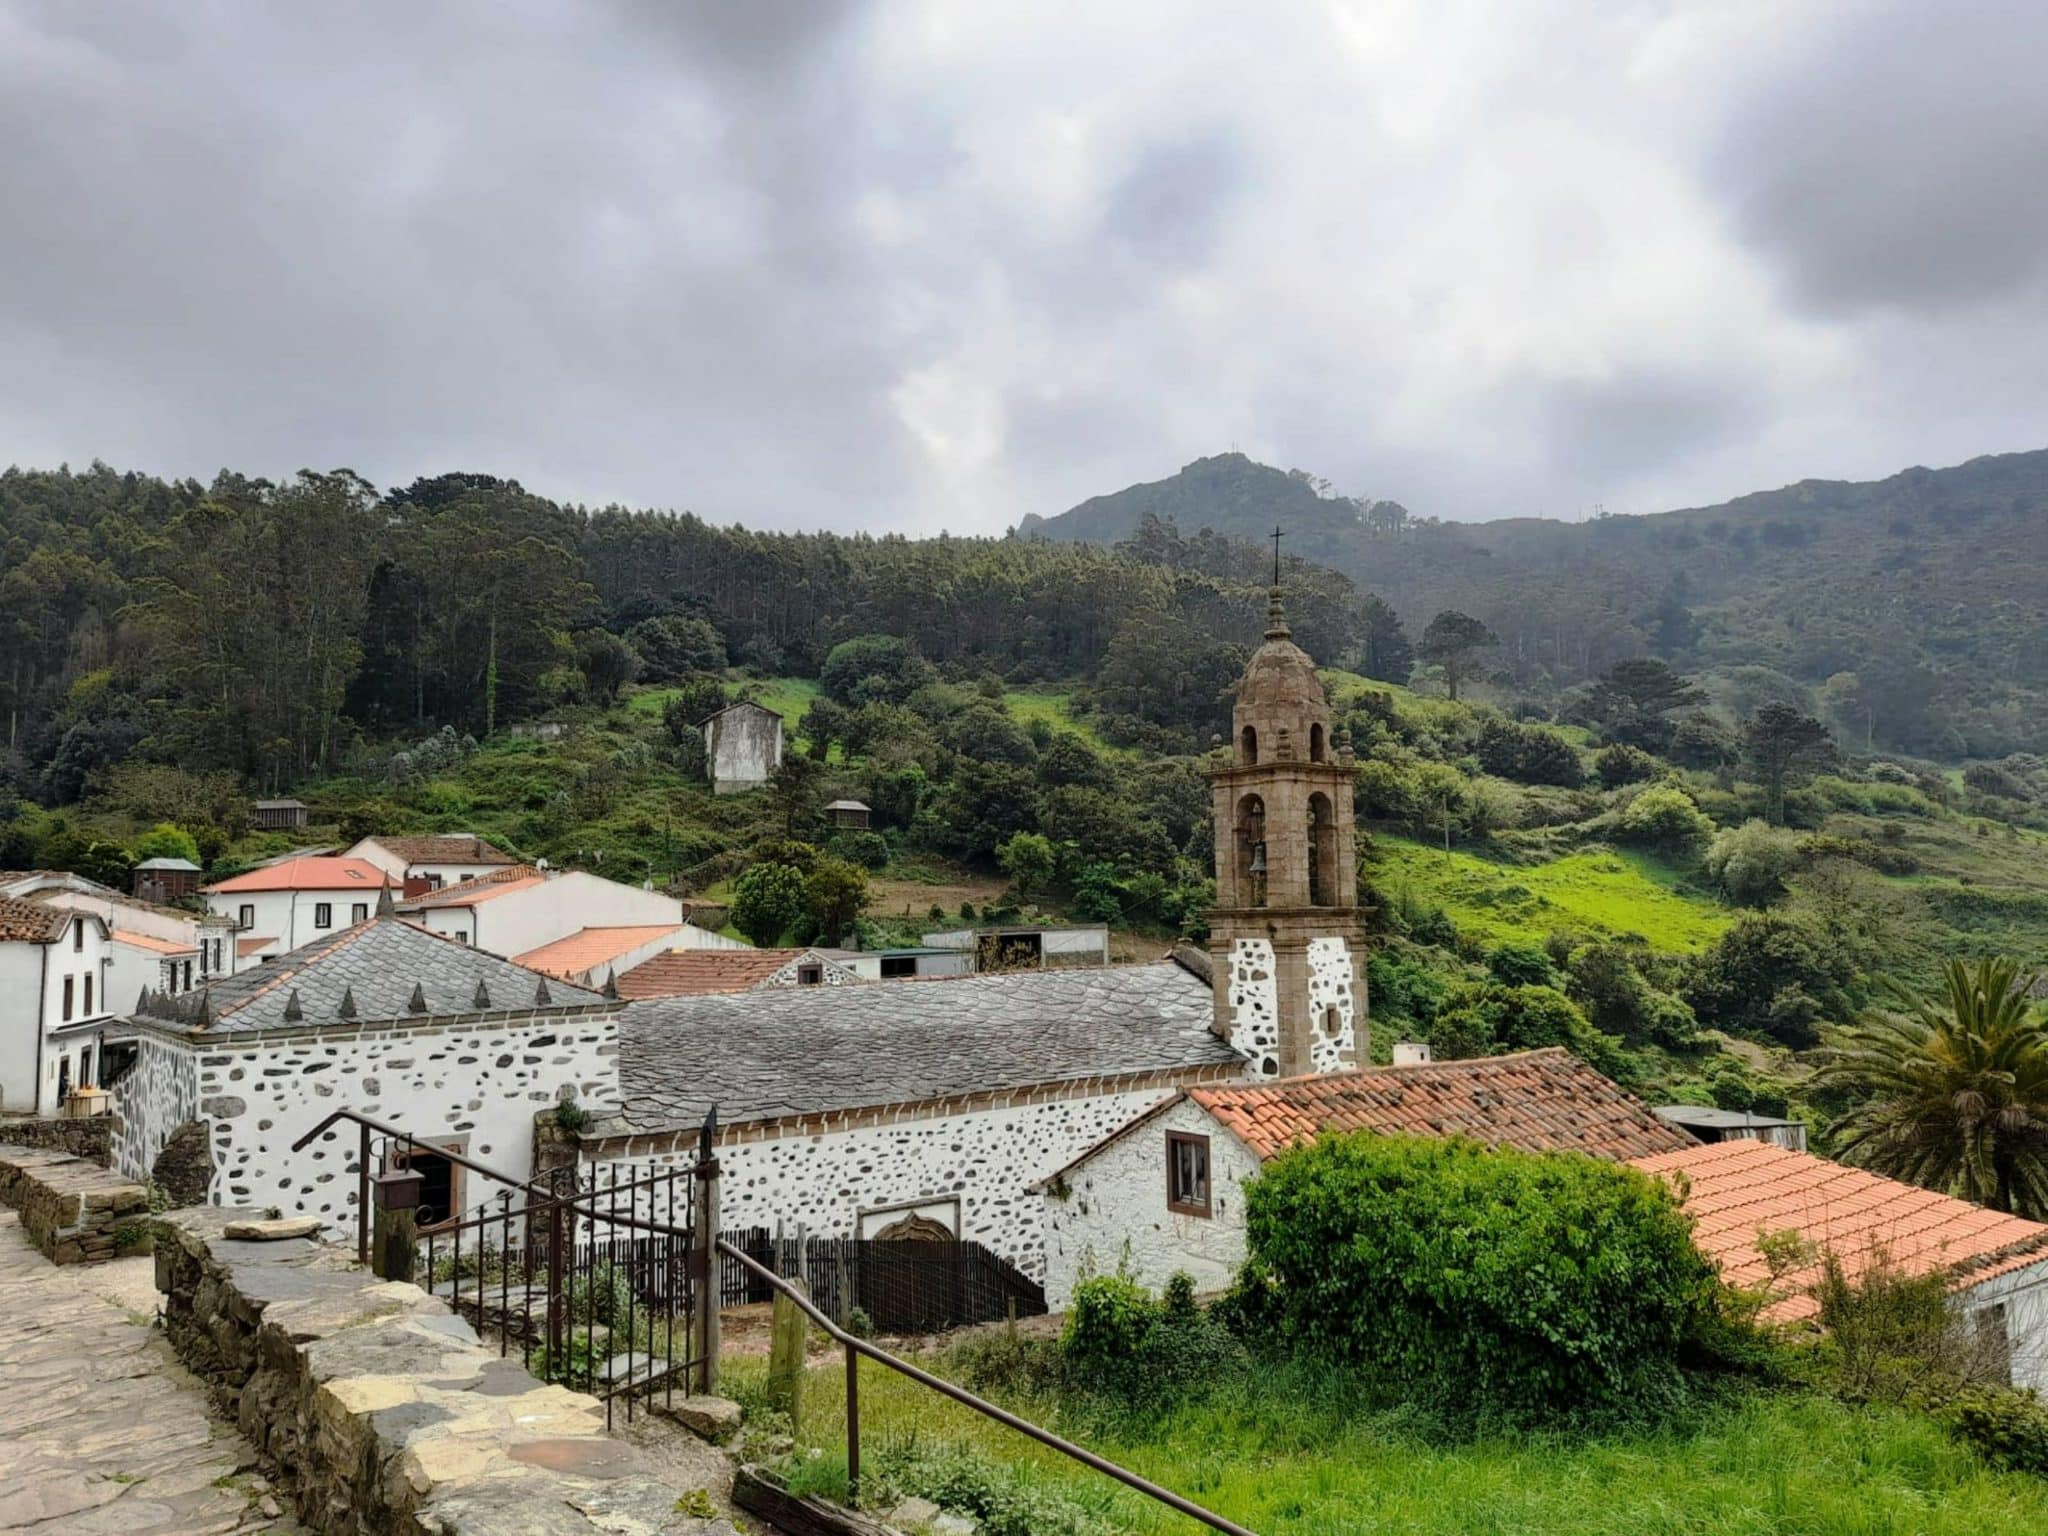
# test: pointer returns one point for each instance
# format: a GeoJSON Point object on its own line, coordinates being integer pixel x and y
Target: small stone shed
{"type": "Point", "coordinates": [743, 743]}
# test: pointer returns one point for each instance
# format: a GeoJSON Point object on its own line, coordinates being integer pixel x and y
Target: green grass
{"type": "Point", "coordinates": [1597, 891]}
{"type": "Point", "coordinates": [1289, 1463]}
{"type": "Point", "coordinates": [1056, 709]}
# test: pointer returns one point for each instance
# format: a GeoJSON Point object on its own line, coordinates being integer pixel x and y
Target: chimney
{"type": "Point", "coordinates": [1411, 1053]}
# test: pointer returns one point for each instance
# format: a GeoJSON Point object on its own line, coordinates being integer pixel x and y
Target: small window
{"type": "Point", "coordinates": [88, 1001]}
{"type": "Point", "coordinates": [1333, 1022]}
{"type": "Point", "coordinates": [1248, 747]}
{"type": "Point", "coordinates": [188, 977]}
{"type": "Point", "coordinates": [323, 914]}
{"type": "Point", "coordinates": [78, 937]}
{"type": "Point", "coordinates": [1187, 1173]}
{"type": "Point", "coordinates": [85, 1067]}
{"type": "Point", "coordinates": [895, 967]}
{"type": "Point", "coordinates": [1315, 743]}
{"type": "Point", "coordinates": [70, 1000]}
{"type": "Point", "coordinates": [359, 913]}
{"type": "Point", "coordinates": [247, 919]}
{"type": "Point", "coordinates": [810, 975]}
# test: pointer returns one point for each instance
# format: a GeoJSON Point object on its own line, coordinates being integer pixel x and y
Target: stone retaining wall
{"type": "Point", "coordinates": [74, 1211]}
{"type": "Point", "coordinates": [90, 1137]}
{"type": "Point", "coordinates": [378, 1410]}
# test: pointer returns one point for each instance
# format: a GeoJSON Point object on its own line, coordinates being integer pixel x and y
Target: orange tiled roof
{"type": "Point", "coordinates": [703, 972]}
{"type": "Point", "coordinates": [1737, 1189]}
{"type": "Point", "coordinates": [151, 942]}
{"type": "Point", "coordinates": [587, 947]}
{"type": "Point", "coordinates": [310, 873]}
{"type": "Point", "coordinates": [244, 948]}
{"type": "Point", "coordinates": [1537, 1101]}
{"type": "Point", "coordinates": [31, 922]}
{"type": "Point", "coordinates": [467, 893]}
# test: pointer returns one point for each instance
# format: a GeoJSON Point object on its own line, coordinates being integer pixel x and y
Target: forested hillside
{"type": "Point", "coordinates": [1910, 610]}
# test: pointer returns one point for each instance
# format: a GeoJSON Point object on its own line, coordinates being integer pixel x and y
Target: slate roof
{"type": "Point", "coordinates": [586, 947]}
{"type": "Point", "coordinates": [703, 972]}
{"type": "Point", "coordinates": [796, 1050]}
{"type": "Point", "coordinates": [445, 848]}
{"type": "Point", "coordinates": [1537, 1101]}
{"type": "Point", "coordinates": [30, 922]}
{"type": "Point", "coordinates": [307, 873]}
{"type": "Point", "coordinates": [376, 966]}
{"type": "Point", "coordinates": [467, 893]}
{"type": "Point", "coordinates": [1735, 1189]}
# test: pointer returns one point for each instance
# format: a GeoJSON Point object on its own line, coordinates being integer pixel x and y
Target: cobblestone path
{"type": "Point", "coordinates": [102, 1431]}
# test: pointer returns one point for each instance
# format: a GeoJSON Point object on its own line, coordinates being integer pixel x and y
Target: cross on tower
{"type": "Point", "coordinates": [1276, 554]}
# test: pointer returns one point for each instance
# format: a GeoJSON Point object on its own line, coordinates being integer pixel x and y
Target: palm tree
{"type": "Point", "coordinates": [1952, 1091]}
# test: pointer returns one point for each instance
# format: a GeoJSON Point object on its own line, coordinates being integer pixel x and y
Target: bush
{"type": "Point", "coordinates": [1526, 1284]}
{"type": "Point", "coordinates": [1751, 862]}
{"type": "Point", "coordinates": [1529, 755]}
{"type": "Point", "coordinates": [2007, 1428]}
{"type": "Point", "coordinates": [1767, 976]}
{"type": "Point", "coordinates": [870, 850]}
{"type": "Point", "coordinates": [1621, 764]}
{"type": "Point", "coordinates": [767, 901]}
{"type": "Point", "coordinates": [1664, 818]}
{"type": "Point", "coordinates": [1121, 1341]}
{"type": "Point", "coordinates": [1522, 965]}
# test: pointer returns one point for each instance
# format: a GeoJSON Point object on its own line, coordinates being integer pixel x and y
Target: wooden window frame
{"type": "Point", "coordinates": [323, 915]}
{"type": "Point", "coordinates": [1174, 1141]}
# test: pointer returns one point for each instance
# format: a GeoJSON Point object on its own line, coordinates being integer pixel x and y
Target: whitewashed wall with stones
{"type": "Point", "coordinates": [156, 1096]}
{"type": "Point", "coordinates": [477, 1084]}
{"type": "Point", "coordinates": [1110, 1213]}
{"type": "Point", "coordinates": [987, 1159]}
{"type": "Point", "coordinates": [1330, 986]}
{"type": "Point", "coordinates": [1255, 1006]}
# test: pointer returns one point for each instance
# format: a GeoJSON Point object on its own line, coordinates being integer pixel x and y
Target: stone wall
{"type": "Point", "coordinates": [155, 1096]}
{"type": "Point", "coordinates": [377, 1411]}
{"type": "Point", "coordinates": [90, 1137]}
{"type": "Point", "coordinates": [73, 1210]}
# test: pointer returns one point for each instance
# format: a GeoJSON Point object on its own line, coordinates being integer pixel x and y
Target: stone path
{"type": "Point", "coordinates": [101, 1430]}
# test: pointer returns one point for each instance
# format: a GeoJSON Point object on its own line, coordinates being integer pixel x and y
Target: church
{"type": "Point", "coordinates": [930, 1106]}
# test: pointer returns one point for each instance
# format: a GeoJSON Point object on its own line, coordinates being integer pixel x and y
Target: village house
{"type": "Point", "coordinates": [279, 907]}
{"type": "Point", "coordinates": [912, 962]}
{"type": "Point", "coordinates": [383, 1018]}
{"type": "Point", "coordinates": [721, 972]}
{"type": "Point", "coordinates": [1706, 1123]}
{"type": "Point", "coordinates": [417, 865]}
{"type": "Point", "coordinates": [54, 1007]}
{"type": "Point", "coordinates": [155, 947]}
{"type": "Point", "coordinates": [1025, 946]}
{"type": "Point", "coordinates": [743, 745]}
{"type": "Point", "coordinates": [1164, 1191]}
{"type": "Point", "coordinates": [1996, 1265]}
{"type": "Point", "coordinates": [523, 912]}
{"type": "Point", "coordinates": [166, 880]}
{"type": "Point", "coordinates": [280, 815]}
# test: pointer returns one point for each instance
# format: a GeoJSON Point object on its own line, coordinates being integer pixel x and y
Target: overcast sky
{"type": "Point", "coordinates": [939, 263]}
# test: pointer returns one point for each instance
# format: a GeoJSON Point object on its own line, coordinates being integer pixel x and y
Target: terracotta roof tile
{"type": "Point", "coordinates": [30, 922]}
{"type": "Point", "coordinates": [311, 873]}
{"type": "Point", "coordinates": [467, 893]}
{"type": "Point", "coordinates": [1538, 1101]}
{"type": "Point", "coordinates": [445, 848]}
{"type": "Point", "coordinates": [1736, 1190]}
{"type": "Point", "coordinates": [703, 972]}
{"type": "Point", "coordinates": [150, 941]}
{"type": "Point", "coordinates": [588, 947]}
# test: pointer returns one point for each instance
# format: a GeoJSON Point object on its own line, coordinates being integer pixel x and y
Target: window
{"type": "Point", "coordinates": [88, 1004]}
{"type": "Point", "coordinates": [895, 967]}
{"type": "Point", "coordinates": [85, 1067]}
{"type": "Point", "coordinates": [188, 977]}
{"type": "Point", "coordinates": [247, 919]}
{"type": "Point", "coordinates": [359, 913]}
{"type": "Point", "coordinates": [78, 937]}
{"type": "Point", "coordinates": [69, 984]}
{"type": "Point", "coordinates": [1333, 1022]}
{"type": "Point", "coordinates": [1187, 1173]}
{"type": "Point", "coordinates": [810, 975]}
{"type": "Point", "coordinates": [1248, 747]}
{"type": "Point", "coordinates": [1315, 743]}
{"type": "Point", "coordinates": [323, 914]}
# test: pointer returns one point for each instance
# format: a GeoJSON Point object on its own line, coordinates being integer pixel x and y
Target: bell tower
{"type": "Point", "coordinates": [1285, 942]}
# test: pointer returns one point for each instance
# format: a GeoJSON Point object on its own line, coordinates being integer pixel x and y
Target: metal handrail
{"type": "Point", "coordinates": [857, 1348]}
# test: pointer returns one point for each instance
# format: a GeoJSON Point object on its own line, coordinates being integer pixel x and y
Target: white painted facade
{"type": "Point", "coordinates": [1255, 1005]}
{"type": "Point", "coordinates": [1332, 989]}
{"type": "Point", "coordinates": [1110, 1213]}
{"type": "Point", "coordinates": [525, 916]}
{"type": "Point", "coordinates": [291, 918]}
{"type": "Point", "coordinates": [985, 1160]}
{"type": "Point", "coordinates": [2023, 1294]}
{"type": "Point", "coordinates": [53, 1013]}
{"type": "Point", "coordinates": [743, 743]}
{"type": "Point", "coordinates": [474, 1082]}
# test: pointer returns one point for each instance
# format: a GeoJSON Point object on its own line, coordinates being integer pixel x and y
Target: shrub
{"type": "Point", "coordinates": [1621, 764]}
{"type": "Point", "coordinates": [1121, 1341]}
{"type": "Point", "coordinates": [1751, 862]}
{"type": "Point", "coordinates": [1664, 818]}
{"type": "Point", "coordinates": [767, 901]}
{"type": "Point", "coordinates": [2007, 1428]}
{"type": "Point", "coordinates": [1524, 1283]}
{"type": "Point", "coordinates": [870, 850]}
{"type": "Point", "coordinates": [1767, 976]}
{"type": "Point", "coordinates": [1529, 755]}
{"type": "Point", "coordinates": [1522, 965]}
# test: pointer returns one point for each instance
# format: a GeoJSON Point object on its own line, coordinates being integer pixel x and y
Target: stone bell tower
{"type": "Point", "coordinates": [1285, 942]}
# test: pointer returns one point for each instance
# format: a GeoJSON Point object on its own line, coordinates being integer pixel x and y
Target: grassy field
{"type": "Point", "coordinates": [1287, 1464]}
{"type": "Point", "coordinates": [1596, 891]}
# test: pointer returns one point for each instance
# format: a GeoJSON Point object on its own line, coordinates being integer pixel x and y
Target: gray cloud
{"type": "Point", "coordinates": [912, 264]}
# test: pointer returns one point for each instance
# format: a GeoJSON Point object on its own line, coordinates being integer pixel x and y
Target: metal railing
{"type": "Point", "coordinates": [858, 1349]}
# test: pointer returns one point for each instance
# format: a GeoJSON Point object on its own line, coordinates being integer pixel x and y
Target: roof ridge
{"type": "Point", "coordinates": [335, 945]}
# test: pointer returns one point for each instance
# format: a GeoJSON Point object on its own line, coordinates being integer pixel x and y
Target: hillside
{"type": "Point", "coordinates": [1910, 607]}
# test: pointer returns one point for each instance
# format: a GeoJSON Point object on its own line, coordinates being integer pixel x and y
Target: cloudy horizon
{"type": "Point", "coordinates": [912, 265]}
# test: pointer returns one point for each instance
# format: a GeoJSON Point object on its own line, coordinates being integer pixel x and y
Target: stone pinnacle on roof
{"type": "Point", "coordinates": [482, 1001]}
{"type": "Point", "coordinates": [1276, 616]}
{"type": "Point", "coordinates": [611, 983]}
{"type": "Point", "coordinates": [293, 1011]}
{"type": "Point", "coordinates": [347, 1010]}
{"type": "Point", "coordinates": [142, 1002]}
{"type": "Point", "coordinates": [385, 905]}
{"type": "Point", "coordinates": [202, 1014]}
{"type": "Point", "coordinates": [541, 995]}
{"type": "Point", "coordinates": [418, 1002]}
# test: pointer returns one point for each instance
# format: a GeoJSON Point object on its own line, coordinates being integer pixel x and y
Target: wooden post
{"type": "Point", "coordinates": [786, 1341]}
{"type": "Point", "coordinates": [395, 1251]}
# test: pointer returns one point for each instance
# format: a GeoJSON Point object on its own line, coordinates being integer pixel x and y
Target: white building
{"type": "Point", "coordinates": [1026, 946]}
{"type": "Point", "coordinates": [383, 1018]}
{"type": "Point", "coordinates": [420, 864]}
{"type": "Point", "coordinates": [282, 906]}
{"type": "Point", "coordinates": [53, 1004]}
{"type": "Point", "coordinates": [520, 910]}
{"type": "Point", "coordinates": [722, 972]}
{"type": "Point", "coordinates": [743, 744]}
{"type": "Point", "coordinates": [1164, 1191]}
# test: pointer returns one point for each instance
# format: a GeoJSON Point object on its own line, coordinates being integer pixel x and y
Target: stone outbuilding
{"type": "Point", "coordinates": [743, 745]}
